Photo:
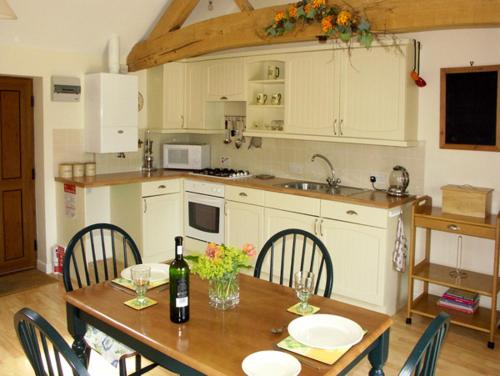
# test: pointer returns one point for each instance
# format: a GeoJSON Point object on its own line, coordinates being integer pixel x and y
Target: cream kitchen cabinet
{"type": "Point", "coordinates": [225, 80]}
{"type": "Point", "coordinates": [357, 253]}
{"type": "Point", "coordinates": [195, 95]}
{"type": "Point", "coordinates": [378, 99]}
{"type": "Point", "coordinates": [174, 80]}
{"type": "Point", "coordinates": [357, 93]}
{"type": "Point", "coordinates": [312, 93]}
{"type": "Point", "coordinates": [152, 214]}
{"type": "Point", "coordinates": [111, 118]}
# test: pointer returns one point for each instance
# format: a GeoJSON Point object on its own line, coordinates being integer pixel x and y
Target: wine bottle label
{"type": "Point", "coordinates": [182, 300]}
{"type": "Point", "coordinates": [178, 250]}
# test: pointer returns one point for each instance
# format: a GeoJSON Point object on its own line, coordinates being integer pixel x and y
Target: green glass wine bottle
{"type": "Point", "coordinates": [179, 285]}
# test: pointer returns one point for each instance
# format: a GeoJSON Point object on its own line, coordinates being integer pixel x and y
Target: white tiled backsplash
{"type": "Point", "coordinates": [353, 163]}
{"type": "Point", "coordinates": [285, 158]}
{"type": "Point", "coordinates": [69, 148]}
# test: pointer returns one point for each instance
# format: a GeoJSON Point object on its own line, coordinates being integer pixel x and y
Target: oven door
{"type": "Point", "coordinates": [204, 217]}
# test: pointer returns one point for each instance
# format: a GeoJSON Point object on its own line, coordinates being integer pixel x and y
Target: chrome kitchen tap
{"type": "Point", "coordinates": [332, 181]}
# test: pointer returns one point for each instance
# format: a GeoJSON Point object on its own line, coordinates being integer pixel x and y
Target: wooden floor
{"type": "Point", "coordinates": [464, 352]}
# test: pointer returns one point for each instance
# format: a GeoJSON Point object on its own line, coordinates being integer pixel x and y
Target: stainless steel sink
{"type": "Point", "coordinates": [321, 187]}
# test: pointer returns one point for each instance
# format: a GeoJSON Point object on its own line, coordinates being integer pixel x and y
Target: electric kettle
{"type": "Point", "coordinates": [398, 181]}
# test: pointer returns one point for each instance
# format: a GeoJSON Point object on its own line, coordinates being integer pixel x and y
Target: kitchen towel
{"type": "Point", "coordinates": [400, 252]}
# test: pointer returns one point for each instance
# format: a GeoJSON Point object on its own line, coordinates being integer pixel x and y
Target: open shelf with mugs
{"type": "Point", "coordinates": [265, 93]}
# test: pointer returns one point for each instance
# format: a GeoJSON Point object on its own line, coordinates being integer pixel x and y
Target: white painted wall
{"type": "Point", "coordinates": [42, 64]}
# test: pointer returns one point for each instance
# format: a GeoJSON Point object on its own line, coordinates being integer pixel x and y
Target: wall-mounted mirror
{"type": "Point", "coordinates": [470, 112]}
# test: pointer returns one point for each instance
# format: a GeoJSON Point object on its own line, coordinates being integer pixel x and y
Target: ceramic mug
{"type": "Point", "coordinates": [276, 99]}
{"type": "Point", "coordinates": [273, 72]}
{"type": "Point", "coordinates": [261, 98]}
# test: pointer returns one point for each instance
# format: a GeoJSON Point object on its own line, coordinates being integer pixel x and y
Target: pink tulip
{"type": "Point", "coordinates": [212, 250]}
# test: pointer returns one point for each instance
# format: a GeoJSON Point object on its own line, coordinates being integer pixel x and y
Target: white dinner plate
{"type": "Point", "coordinates": [276, 363]}
{"type": "Point", "coordinates": [325, 331]}
{"type": "Point", "coordinates": [158, 272]}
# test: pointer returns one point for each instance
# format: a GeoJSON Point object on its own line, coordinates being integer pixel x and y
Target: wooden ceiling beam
{"type": "Point", "coordinates": [247, 28]}
{"type": "Point", "coordinates": [173, 17]}
{"type": "Point", "coordinates": [244, 5]}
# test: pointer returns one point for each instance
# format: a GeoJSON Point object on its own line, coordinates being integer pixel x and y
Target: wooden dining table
{"type": "Point", "coordinates": [215, 342]}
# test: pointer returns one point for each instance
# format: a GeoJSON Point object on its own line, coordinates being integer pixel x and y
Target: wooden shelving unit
{"type": "Point", "coordinates": [432, 218]}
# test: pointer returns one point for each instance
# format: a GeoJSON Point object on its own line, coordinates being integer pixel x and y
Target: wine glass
{"type": "Point", "coordinates": [304, 286]}
{"type": "Point", "coordinates": [140, 278]}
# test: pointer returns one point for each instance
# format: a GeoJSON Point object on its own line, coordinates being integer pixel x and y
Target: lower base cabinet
{"type": "Point", "coordinates": [244, 224]}
{"type": "Point", "coordinates": [152, 214]}
{"type": "Point", "coordinates": [358, 254]}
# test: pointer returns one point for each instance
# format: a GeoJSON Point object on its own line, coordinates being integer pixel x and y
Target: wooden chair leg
{"type": "Point", "coordinates": [138, 364]}
{"type": "Point", "coordinates": [123, 366]}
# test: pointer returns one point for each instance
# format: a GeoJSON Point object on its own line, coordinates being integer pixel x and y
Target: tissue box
{"type": "Point", "coordinates": [466, 200]}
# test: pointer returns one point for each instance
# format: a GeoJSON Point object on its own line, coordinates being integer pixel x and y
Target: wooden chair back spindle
{"type": "Point", "coordinates": [296, 245]}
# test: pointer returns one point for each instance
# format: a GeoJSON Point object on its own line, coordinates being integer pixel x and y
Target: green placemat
{"type": "Point", "coordinates": [294, 309]}
{"type": "Point", "coordinates": [323, 356]}
{"type": "Point", "coordinates": [133, 303]}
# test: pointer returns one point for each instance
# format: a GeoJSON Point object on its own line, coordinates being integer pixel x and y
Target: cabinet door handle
{"type": "Point", "coordinates": [120, 131]}
{"type": "Point", "coordinates": [453, 227]}
{"type": "Point", "coordinates": [223, 98]}
{"type": "Point", "coordinates": [162, 186]}
{"type": "Point", "coordinates": [340, 127]}
{"type": "Point", "coordinates": [351, 212]}
{"type": "Point", "coordinates": [316, 226]}
{"type": "Point", "coordinates": [182, 121]}
{"type": "Point", "coordinates": [321, 227]}
{"type": "Point", "coordinates": [225, 210]}
{"type": "Point", "coordinates": [145, 206]}
{"type": "Point", "coordinates": [243, 194]}
{"type": "Point", "coordinates": [335, 127]}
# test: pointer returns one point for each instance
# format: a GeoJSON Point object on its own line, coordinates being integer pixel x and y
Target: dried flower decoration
{"type": "Point", "coordinates": [335, 21]}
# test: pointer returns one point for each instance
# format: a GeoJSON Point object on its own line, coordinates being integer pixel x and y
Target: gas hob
{"type": "Point", "coordinates": [223, 173]}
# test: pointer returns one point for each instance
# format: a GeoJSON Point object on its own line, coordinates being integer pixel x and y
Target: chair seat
{"type": "Point", "coordinates": [109, 348]}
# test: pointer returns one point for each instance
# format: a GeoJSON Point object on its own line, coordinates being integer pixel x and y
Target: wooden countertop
{"type": "Point", "coordinates": [368, 198]}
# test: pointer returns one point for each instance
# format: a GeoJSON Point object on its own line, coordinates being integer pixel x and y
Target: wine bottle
{"type": "Point", "coordinates": [179, 285]}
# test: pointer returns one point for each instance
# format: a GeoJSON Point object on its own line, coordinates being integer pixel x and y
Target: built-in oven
{"type": "Point", "coordinates": [204, 211]}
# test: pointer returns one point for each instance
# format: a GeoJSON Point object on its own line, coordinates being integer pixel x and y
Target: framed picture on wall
{"type": "Point", "coordinates": [470, 110]}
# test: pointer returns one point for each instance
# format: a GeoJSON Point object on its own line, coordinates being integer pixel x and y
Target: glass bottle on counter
{"type": "Point", "coordinates": [179, 285]}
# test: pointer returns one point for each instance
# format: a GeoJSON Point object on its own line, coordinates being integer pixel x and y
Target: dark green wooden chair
{"type": "Point", "coordinates": [44, 346]}
{"type": "Point", "coordinates": [98, 253]}
{"type": "Point", "coordinates": [422, 360]}
{"type": "Point", "coordinates": [293, 250]}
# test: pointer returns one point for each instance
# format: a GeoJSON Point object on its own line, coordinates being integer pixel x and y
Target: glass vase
{"type": "Point", "coordinates": [224, 293]}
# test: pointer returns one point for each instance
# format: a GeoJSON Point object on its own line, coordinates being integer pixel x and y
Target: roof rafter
{"type": "Point", "coordinates": [244, 5]}
{"type": "Point", "coordinates": [173, 17]}
{"type": "Point", "coordinates": [247, 28]}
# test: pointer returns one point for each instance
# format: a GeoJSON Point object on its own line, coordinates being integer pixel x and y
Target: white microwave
{"type": "Point", "coordinates": [186, 156]}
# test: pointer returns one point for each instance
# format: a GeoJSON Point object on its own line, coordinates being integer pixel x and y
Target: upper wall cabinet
{"type": "Point", "coordinates": [111, 119]}
{"type": "Point", "coordinates": [195, 95]}
{"type": "Point", "coordinates": [358, 93]}
{"type": "Point", "coordinates": [225, 80]}
{"type": "Point", "coordinates": [378, 99]}
{"type": "Point", "coordinates": [173, 95]}
{"type": "Point", "coordinates": [312, 93]}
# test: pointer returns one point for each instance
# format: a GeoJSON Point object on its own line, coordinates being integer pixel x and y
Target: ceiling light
{"type": "Point", "coordinates": [6, 12]}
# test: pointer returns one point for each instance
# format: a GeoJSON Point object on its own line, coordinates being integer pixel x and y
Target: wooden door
{"type": "Point", "coordinates": [17, 194]}
{"type": "Point", "coordinates": [312, 93]}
